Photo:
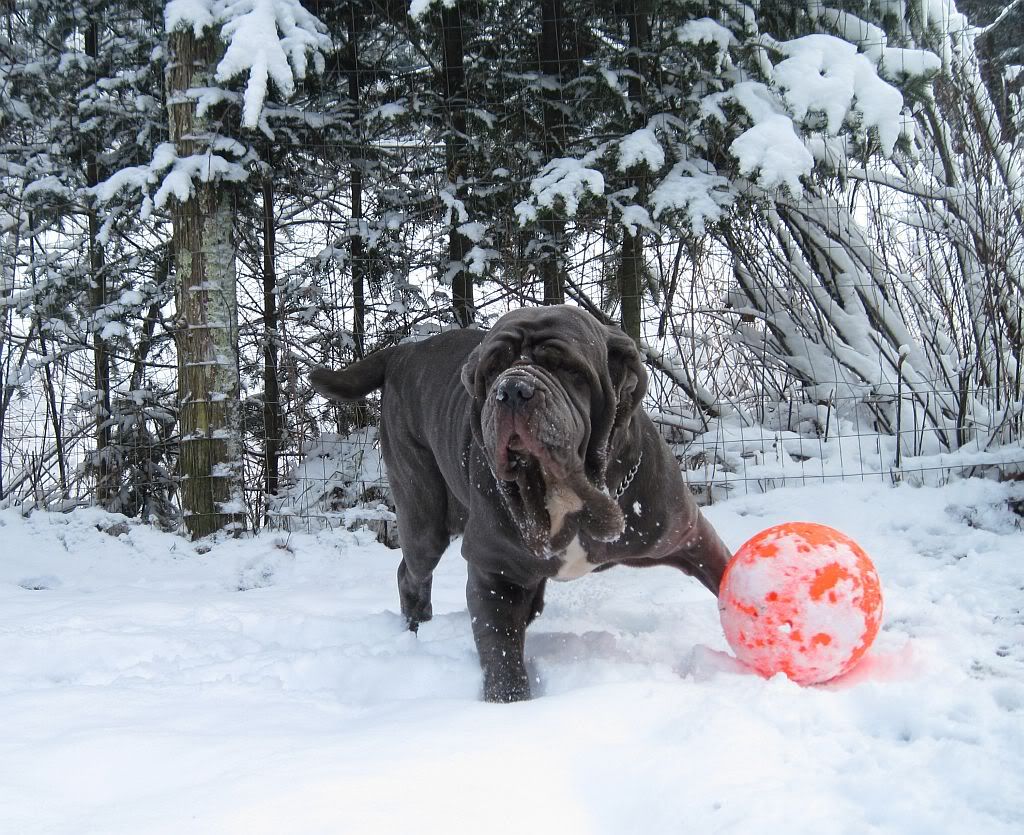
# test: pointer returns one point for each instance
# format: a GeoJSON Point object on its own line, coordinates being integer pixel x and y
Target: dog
{"type": "Point", "coordinates": [530, 441]}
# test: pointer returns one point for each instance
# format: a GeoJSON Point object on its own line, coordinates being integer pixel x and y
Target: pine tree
{"type": "Point", "coordinates": [83, 103]}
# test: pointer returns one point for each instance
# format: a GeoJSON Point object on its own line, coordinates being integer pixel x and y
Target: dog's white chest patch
{"type": "Point", "coordinates": [574, 562]}
{"type": "Point", "coordinates": [560, 502]}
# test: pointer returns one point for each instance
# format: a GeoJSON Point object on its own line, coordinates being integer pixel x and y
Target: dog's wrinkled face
{"type": "Point", "coordinates": [551, 388]}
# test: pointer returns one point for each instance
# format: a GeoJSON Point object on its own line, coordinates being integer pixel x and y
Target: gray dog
{"type": "Point", "coordinates": [530, 441]}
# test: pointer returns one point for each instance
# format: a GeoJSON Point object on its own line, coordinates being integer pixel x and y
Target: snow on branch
{"type": "Point", "coordinates": [824, 74]}
{"type": "Point", "coordinates": [174, 176]}
{"type": "Point", "coordinates": [772, 146]}
{"type": "Point", "coordinates": [701, 196]}
{"type": "Point", "coordinates": [255, 46]}
{"type": "Point", "coordinates": [270, 40]}
{"type": "Point", "coordinates": [564, 181]}
{"type": "Point", "coordinates": [204, 168]}
{"type": "Point", "coordinates": [641, 147]}
{"type": "Point", "coordinates": [823, 92]}
{"type": "Point", "coordinates": [418, 8]}
{"type": "Point", "coordinates": [199, 15]}
{"type": "Point", "coordinates": [706, 30]}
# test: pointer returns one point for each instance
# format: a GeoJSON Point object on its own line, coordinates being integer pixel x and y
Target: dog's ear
{"type": "Point", "coordinates": [472, 379]}
{"type": "Point", "coordinates": [628, 377]}
{"type": "Point", "coordinates": [622, 388]}
{"type": "Point", "coordinates": [474, 382]}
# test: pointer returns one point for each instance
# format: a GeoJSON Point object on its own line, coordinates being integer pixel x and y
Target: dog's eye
{"type": "Point", "coordinates": [492, 372]}
{"type": "Point", "coordinates": [496, 362]}
{"type": "Point", "coordinates": [579, 378]}
{"type": "Point", "coordinates": [550, 358]}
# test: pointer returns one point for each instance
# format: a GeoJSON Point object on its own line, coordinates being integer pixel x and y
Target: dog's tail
{"type": "Point", "coordinates": [354, 382]}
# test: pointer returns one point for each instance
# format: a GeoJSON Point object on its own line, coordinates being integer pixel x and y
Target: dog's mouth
{"type": "Point", "coordinates": [518, 450]}
{"type": "Point", "coordinates": [537, 468]}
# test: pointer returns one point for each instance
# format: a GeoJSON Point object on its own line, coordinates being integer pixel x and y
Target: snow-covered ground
{"type": "Point", "coordinates": [268, 685]}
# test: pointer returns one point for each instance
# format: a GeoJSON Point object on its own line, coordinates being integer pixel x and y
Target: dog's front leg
{"type": "Point", "coordinates": [500, 611]}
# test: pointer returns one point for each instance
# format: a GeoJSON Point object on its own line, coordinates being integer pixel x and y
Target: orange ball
{"type": "Point", "coordinates": [801, 599]}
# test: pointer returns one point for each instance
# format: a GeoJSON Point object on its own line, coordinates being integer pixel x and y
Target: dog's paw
{"type": "Point", "coordinates": [502, 690]}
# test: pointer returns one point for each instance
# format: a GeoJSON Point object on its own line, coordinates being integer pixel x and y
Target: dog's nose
{"type": "Point", "coordinates": [513, 392]}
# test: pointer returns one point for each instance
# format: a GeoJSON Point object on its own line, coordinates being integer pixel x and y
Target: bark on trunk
{"type": "Point", "coordinates": [98, 276]}
{"type": "Point", "coordinates": [272, 422]}
{"type": "Point", "coordinates": [630, 283]}
{"type": "Point", "coordinates": [552, 263]}
{"type": "Point", "coordinates": [456, 150]}
{"type": "Point", "coordinates": [50, 388]}
{"type": "Point", "coordinates": [356, 244]}
{"type": "Point", "coordinates": [206, 332]}
{"type": "Point", "coordinates": [631, 269]}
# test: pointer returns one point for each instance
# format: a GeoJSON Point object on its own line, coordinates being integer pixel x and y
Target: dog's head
{"type": "Point", "coordinates": [553, 393]}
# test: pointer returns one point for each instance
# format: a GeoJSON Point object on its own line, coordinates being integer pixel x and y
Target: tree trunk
{"type": "Point", "coordinates": [206, 331]}
{"type": "Point", "coordinates": [50, 389]}
{"type": "Point", "coordinates": [552, 260]}
{"type": "Point", "coordinates": [98, 279]}
{"type": "Point", "coordinates": [456, 150]}
{"type": "Point", "coordinates": [356, 243]}
{"type": "Point", "coordinates": [272, 423]}
{"type": "Point", "coordinates": [631, 269]}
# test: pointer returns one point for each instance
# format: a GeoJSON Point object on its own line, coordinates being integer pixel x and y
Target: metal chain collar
{"type": "Point", "coordinates": [624, 486]}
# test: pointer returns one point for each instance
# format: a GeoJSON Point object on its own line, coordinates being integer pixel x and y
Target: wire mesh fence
{"type": "Point", "coordinates": [844, 304]}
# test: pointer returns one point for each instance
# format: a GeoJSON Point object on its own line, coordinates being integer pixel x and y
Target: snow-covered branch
{"type": "Point", "coordinates": [268, 41]}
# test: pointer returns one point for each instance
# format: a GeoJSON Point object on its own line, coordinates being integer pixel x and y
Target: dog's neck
{"type": "Point", "coordinates": [623, 453]}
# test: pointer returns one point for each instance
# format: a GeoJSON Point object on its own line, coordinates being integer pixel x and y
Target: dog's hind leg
{"type": "Point", "coordinates": [421, 501]}
{"type": "Point", "coordinates": [702, 554]}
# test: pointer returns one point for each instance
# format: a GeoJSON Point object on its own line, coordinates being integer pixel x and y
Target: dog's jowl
{"type": "Point", "coordinates": [531, 442]}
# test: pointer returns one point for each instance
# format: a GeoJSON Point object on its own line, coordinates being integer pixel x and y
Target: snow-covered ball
{"type": "Point", "coordinates": [801, 599]}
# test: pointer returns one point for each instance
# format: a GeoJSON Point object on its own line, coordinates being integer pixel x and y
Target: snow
{"type": "Point", "coordinates": [635, 217]}
{"type": "Point", "coordinates": [267, 684]}
{"type": "Point", "coordinates": [335, 482]}
{"type": "Point", "coordinates": [178, 182]}
{"type": "Point", "coordinates": [418, 8]}
{"type": "Point", "coordinates": [181, 14]}
{"type": "Point", "coordinates": [49, 186]}
{"type": "Point", "coordinates": [135, 177]}
{"type": "Point", "coordinates": [705, 30]}
{"type": "Point", "coordinates": [827, 74]}
{"type": "Point", "coordinates": [456, 207]}
{"type": "Point", "coordinates": [870, 38]}
{"type": "Point", "coordinates": [772, 149]}
{"type": "Point", "coordinates": [131, 298]}
{"type": "Point", "coordinates": [701, 195]}
{"type": "Point", "coordinates": [112, 330]}
{"type": "Point", "coordinates": [562, 182]}
{"type": "Point", "coordinates": [641, 147]}
{"type": "Point", "coordinates": [269, 40]}
{"type": "Point", "coordinates": [479, 258]}
{"type": "Point", "coordinates": [894, 63]}
{"type": "Point", "coordinates": [898, 63]}
{"type": "Point", "coordinates": [473, 230]}
{"type": "Point", "coordinates": [823, 89]}
{"type": "Point", "coordinates": [820, 75]}
{"type": "Point", "coordinates": [391, 110]}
